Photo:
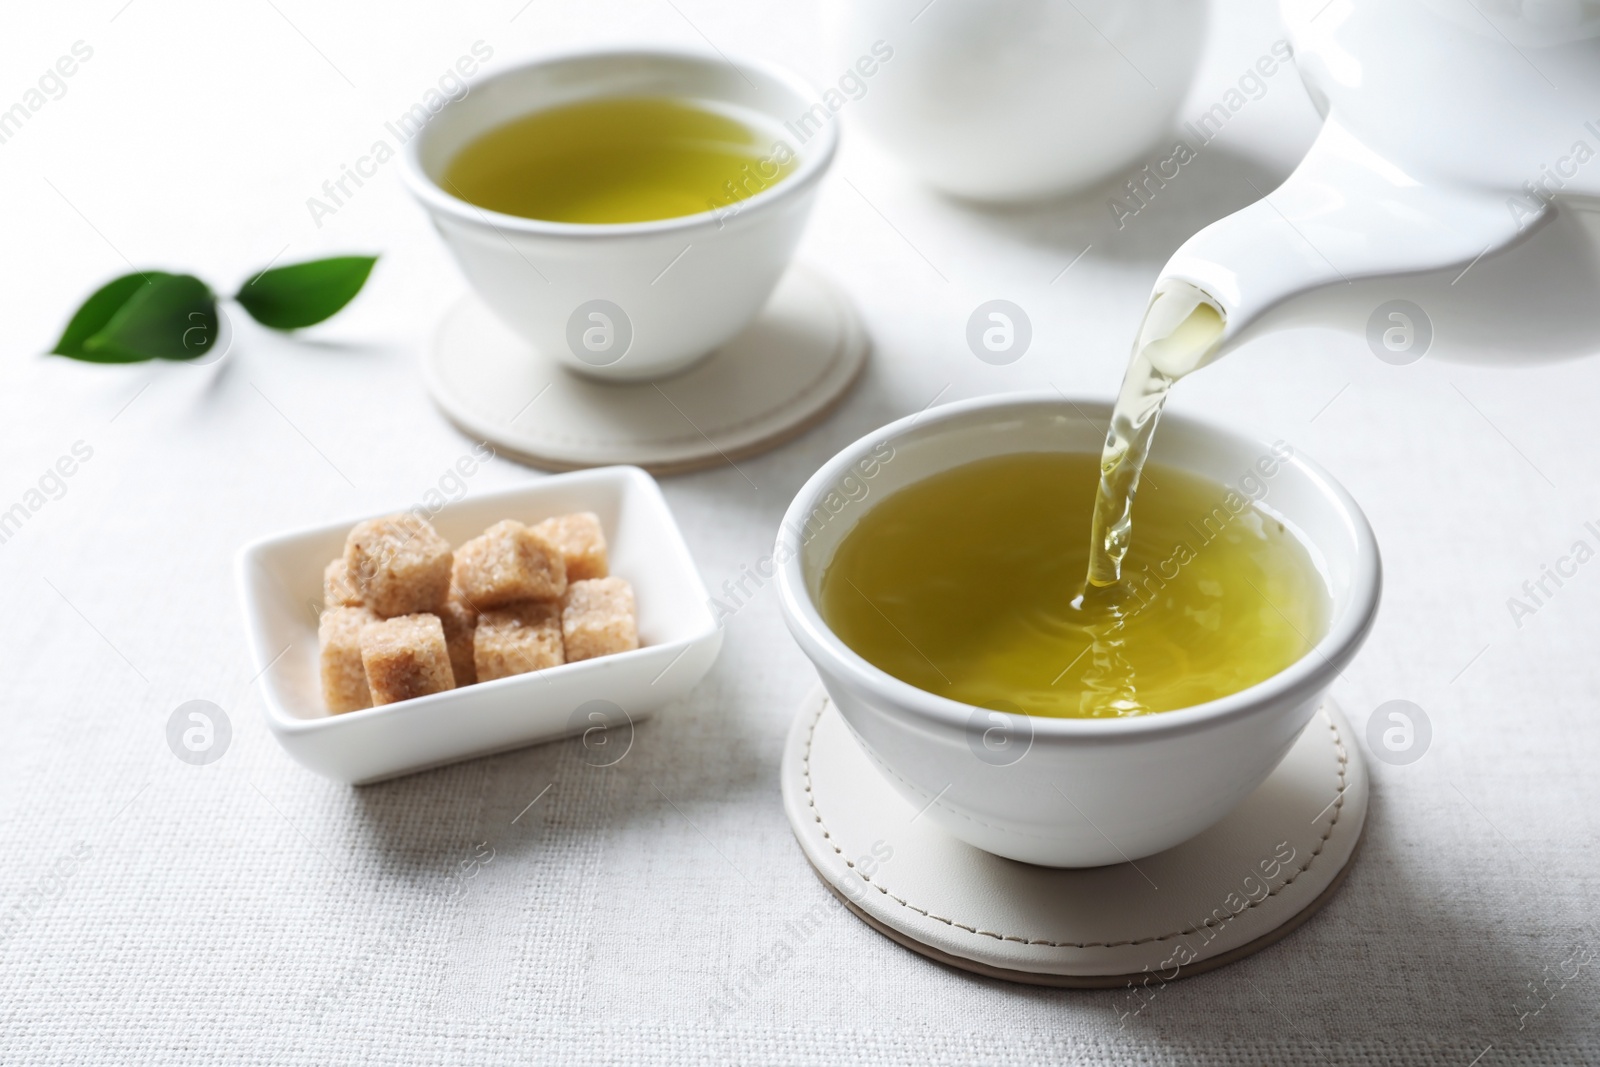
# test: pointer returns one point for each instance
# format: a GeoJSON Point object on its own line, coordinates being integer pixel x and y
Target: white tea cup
{"type": "Point", "coordinates": [636, 300]}
{"type": "Point", "coordinates": [1073, 792]}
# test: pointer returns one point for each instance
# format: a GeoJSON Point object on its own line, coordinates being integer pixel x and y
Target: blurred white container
{"type": "Point", "coordinates": [1017, 99]}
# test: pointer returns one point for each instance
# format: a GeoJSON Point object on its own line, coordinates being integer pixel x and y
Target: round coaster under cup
{"type": "Point", "coordinates": [773, 381]}
{"type": "Point", "coordinates": [1233, 890]}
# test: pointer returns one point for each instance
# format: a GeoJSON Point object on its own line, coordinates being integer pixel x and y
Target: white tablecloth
{"type": "Point", "coordinates": [156, 912]}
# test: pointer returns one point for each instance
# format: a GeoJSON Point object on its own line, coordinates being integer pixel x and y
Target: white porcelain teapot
{"type": "Point", "coordinates": [1457, 175]}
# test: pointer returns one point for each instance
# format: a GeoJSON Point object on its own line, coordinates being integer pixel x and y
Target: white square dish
{"type": "Point", "coordinates": [280, 586]}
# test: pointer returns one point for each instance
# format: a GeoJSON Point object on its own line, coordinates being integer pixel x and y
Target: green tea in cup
{"type": "Point", "coordinates": [620, 159]}
{"type": "Point", "coordinates": [970, 585]}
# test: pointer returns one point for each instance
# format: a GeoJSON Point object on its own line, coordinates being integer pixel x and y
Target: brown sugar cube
{"type": "Point", "coordinates": [582, 543]}
{"type": "Point", "coordinates": [516, 639]}
{"type": "Point", "coordinates": [460, 623]}
{"type": "Point", "coordinates": [399, 564]}
{"type": "Point", "coordinates": [405, 657]}
{"type": "Point", "coordinates": [344, 680]}
{"type": "Point", "coordinates": [506, 563]}
{"type": "Point", "coordinates": [338, 591]}
{"type": "Point", "coordinates": [598, 618]}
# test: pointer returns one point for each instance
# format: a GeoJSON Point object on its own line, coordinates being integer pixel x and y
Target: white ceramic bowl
{"type": "Point", "coordinates": [1020, 99]}
{"type": "Point", "coordinates": [1072, 792]}
{"type": "Point", "coordinates": [661, 312]}
{"type": "Point", "coordinates": [280, 585]}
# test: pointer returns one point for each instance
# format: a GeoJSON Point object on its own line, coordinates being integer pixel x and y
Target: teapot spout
{"type": "Point", "coordinates": [1344, 214]}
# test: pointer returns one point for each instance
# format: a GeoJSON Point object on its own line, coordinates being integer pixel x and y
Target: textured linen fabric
{"type": "Point", "coordinates": [533, 908]}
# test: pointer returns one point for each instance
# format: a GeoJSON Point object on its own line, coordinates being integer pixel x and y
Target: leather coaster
{"type": "Point", "coordinates": [779, 377]}
{"type": "Point", "coordinates": [1225, 894]}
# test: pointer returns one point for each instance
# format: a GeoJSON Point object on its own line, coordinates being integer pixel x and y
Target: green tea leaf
{"type": "Point", "coordinates": [174, 316]}
{"type": "Point", "coordinates": [302, 294]}
{"type": "Point", "coordinates": [95, 312]}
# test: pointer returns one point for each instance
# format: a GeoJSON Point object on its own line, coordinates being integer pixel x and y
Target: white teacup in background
{"type": "Point", "coordinates": [626, 301]}
{"type": "Point", "coordinates": [1021, 99]}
